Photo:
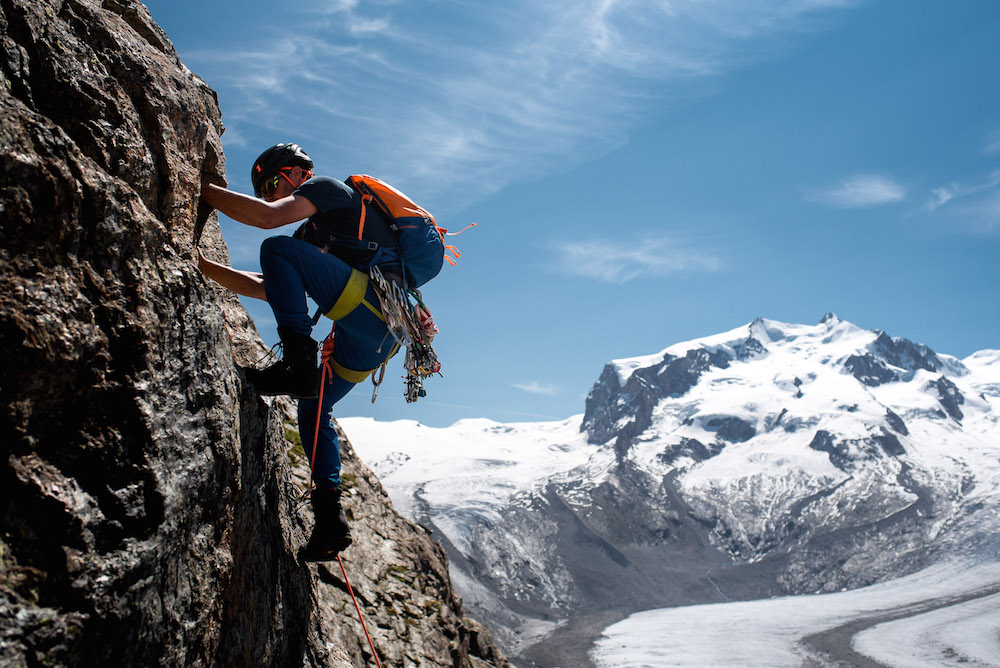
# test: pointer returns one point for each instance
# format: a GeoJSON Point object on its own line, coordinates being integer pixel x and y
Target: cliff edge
{"type": "Point", "coordinates": [149, 501]}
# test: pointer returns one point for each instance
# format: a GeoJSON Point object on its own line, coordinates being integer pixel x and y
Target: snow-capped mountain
{"type": "Point", "coordinates": [771, 459]}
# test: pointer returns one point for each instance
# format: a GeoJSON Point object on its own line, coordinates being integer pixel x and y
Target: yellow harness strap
{"type": "Point", "coordinates": [352, 297]}
{"type": "Point", "coordinates": [352, 376]}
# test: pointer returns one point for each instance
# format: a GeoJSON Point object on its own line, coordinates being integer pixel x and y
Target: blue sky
{"type": "Point", "coordinates": [641, 173]}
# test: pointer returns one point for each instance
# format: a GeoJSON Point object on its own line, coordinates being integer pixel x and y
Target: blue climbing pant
{"type": "Point", "coordinates": [292, 269]}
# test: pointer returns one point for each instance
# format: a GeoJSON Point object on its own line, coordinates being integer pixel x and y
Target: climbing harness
{"type": "Point", "coordinates": [409, 324]}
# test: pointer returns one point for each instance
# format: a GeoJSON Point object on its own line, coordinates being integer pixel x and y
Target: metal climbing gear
{"type": "Point", "coordinates": [411, 325]}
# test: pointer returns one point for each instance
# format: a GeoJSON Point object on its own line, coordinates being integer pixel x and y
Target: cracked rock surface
{"type": "Point", "coordinates": [149, 497]}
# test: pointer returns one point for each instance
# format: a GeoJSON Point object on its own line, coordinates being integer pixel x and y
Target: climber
{"type": "Point", "coordinates": [321, 260]}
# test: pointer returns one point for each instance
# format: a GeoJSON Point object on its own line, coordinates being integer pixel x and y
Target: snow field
{"type": "Point", "coordinates": [770, 633]}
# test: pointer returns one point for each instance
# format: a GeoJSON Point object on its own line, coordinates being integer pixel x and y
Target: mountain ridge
{"type": "Point", "coordinates": [790, 458]}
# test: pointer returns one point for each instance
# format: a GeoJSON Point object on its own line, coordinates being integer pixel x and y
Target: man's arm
{"type": "Point", "coordinates": [246, 283]}
{"type": "Point", "coordinates": [255, 212]}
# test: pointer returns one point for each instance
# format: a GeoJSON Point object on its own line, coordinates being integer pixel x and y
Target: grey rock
{"type": "Point", "coordinates": [688, 447]}
{"type": "Point", "coordinates": [149, 504]}
{"type": "Point", "coordinates": [896, 423]}
{"type": "Point", "coordinates": [623, 413]}
{"type": "Point", "coordinates": [838, 452]}
{"type": "Point", "coordinates": [851, 454]}
{"type": "Point", "coordinates": [870, 370]}
{"type": "Point", "coordinates": [731, 429]}
{"type": "Point", "coordinates": [906, 354]}
{"type": "Point", "coordinates": [888, 358]}
{"type": "Point", "coordinates": [950, 397]}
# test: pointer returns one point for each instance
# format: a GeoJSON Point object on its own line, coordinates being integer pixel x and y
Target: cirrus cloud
{"type": "Point", "coordinates": [534, 387]}
{"type": "Point", "coordinates": [458, 114]}
{"type": "Point", "coordinates": [620, 261]}
{"type": "Point", "coordinates": [860, 191]}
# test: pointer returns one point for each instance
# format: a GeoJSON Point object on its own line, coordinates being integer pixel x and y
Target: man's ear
{"type": "Point", "coordinates": [301, 174]}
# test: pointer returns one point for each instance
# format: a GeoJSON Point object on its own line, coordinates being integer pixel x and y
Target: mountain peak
{"type": "Point", "coordinates": [776, 457]}
{"type": "Point", "coordinates": [774, 362]}
{"type": "Point", "coordinates": [770, 331]}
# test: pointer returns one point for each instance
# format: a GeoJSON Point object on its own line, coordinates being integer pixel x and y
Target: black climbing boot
{"type": "Point", "coordinates": [296, 373]}
{"type": "Point", "coordinates": [331, 533]}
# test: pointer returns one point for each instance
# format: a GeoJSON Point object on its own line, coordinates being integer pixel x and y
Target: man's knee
{"type": "Point", "coordinates": [276, 246]}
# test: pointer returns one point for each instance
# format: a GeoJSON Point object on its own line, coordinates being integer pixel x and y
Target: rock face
{"type": "Point", "coordinates": [149, 497]}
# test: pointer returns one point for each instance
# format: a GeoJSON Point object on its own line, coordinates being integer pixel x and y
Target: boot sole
{"type": "Point", "coordinates": [326, 555]}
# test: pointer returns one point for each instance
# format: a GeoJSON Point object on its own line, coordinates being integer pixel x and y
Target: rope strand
{"type": "Point", "coordinates": [357, 607]}
{"type": "Point", "coordinates": [325, 357]}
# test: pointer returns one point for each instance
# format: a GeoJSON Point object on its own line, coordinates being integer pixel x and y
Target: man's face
{"type": "Point", "coordinates": [282, 184]}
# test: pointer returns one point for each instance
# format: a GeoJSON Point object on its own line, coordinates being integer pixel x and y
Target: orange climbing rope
{"type": "Point", "coordinates": [325, 357]}
{"type": "Point", "coordinates": [358, 608]}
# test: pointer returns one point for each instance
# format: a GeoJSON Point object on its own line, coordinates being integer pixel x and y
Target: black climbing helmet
{"type": "Point", "coordinates": [273, 159]}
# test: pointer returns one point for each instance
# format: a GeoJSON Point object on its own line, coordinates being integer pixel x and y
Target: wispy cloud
{"type": "Point", "coordinates": [618, 261]}
{"type": "Point", "coordinates": [992, 142]}
{"type": "Point", "coordinates": [534, 387]}
{"type": "Point", "coordinates": [970, 205]}
{"type": "Point", "coordinates": [860, 191]}
{"type": "Point", "coordinates": [458, 102]}
{"type": "Point", "coordinates": [974, 207]}
{"type": "Point", "coordinates": [370, 27]}
{"type": "Point", "coordinates": [943, 195]}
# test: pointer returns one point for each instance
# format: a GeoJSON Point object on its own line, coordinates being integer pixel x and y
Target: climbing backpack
{"type": "Point", "coordinates": [420, 242]}
{"type": "Point", "coordinates": [420, 253]}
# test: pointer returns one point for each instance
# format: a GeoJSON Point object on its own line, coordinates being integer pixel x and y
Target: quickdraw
{"type": "Point", "coordinates": [411, 325]}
